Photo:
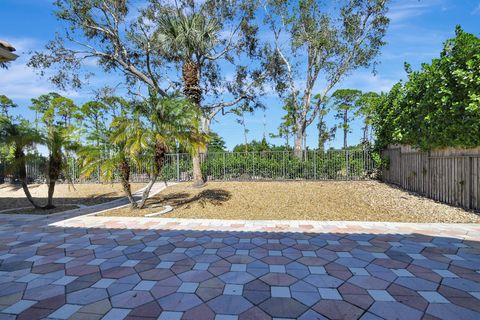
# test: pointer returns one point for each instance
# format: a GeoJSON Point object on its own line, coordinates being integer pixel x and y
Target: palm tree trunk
{"type": "Point", "coordinates": [54, 167]}
{"type": "Point", "coordinates": [22, 174]}
{"type": "Point", "coordinates": [160, 151]}
{"type": "Point", "coordinates": [29, 195]}
{"type": "Point", "coordinates": [197, 170]}
{"type": "Point", "coordinates": [51, 190]}
{"type": "Point", "coordinates": [192, 90]}
{"type": "Point", "coordinates": [147, 190]}
{"type": "Point", "coordinates": [125, 181]}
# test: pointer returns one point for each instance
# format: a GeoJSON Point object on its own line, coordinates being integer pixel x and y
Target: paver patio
{"type": "Point", "coordinates": [113, 268]}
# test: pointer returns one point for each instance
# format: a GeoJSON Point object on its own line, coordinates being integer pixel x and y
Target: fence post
{"type": "Point", "coordinates": [74, 166]}
{"type": "Point", "coordinates": [470, 183]}
{"type": "Point", "coordinates": [253, 164]}
{"type": "Point", "coordinates": [314, 164]}
{"type": "Point", "coordinates": [346, 163]}
{"type": "Point", "coordinates": [283, 164]}
{"type": "Point", "coordinates": [224, 166]}
{"type": "Point", "coordinates": [178, 166]}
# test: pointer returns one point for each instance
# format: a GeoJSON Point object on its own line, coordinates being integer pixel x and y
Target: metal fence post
{"type": "Point", "coordinates": [178, 166]}
{"type": "Point", "coordinates": [283, 166]}
{"type": "Point", "coordinates": [315, 165]}
{"type": "Point", "coordinates": [224, 166]}
{"type": "Point", "coordinates": [253, 163]}
{"type": "Point", "coordinates": [74, 166]}
{"type": "Point", "coordinates": [346, 163]}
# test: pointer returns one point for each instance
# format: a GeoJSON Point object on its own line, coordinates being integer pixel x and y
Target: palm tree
{"type": "Point", "coordinates": [19, 136]}
{"type": "Point", "coordinates": [345, 102]}
{"type": "Point", "coordinates": [189, 39]}
{"type": "Point", "coordinates": [169, 119]}
{"type": "Point", "coordinates": [93, 156]}
{"type": "Point", "coordinates": [60, 141]}
{"type": "Point", "coordinates": [143, 137]}
{"type": "Point", "coordinates": [59, 135]}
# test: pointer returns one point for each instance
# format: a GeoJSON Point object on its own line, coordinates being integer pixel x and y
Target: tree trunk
{"type": "Point", "coordinates": [298, 139]}
{"type": "Point", "coordinates": [54, 167]}
{"type": "Point", "coordinates": [191, 89]}
{"type": "Point", "coordinates": [125, 181]}
{"type": "Point", "coordinates": [298, 142]}
{"type": "Point", "coordinates": [305, 145]}
{"type": "Point", "coordinates": [205, 122]}
{"type": "Point", "coordinates": [365, 137]}
{"type": "Point", "coordinates": [29, 195]}
{"type": "Point", "coordinates": [22, 174]}
{"type": "Point", "coordinates": [197, 170]}
{"type": "Point", "coordinates": [147, 190]}
{"type": "Point", "coordinates": [51, 190]}
{"type": "Point", "coordinates": [160, 150]}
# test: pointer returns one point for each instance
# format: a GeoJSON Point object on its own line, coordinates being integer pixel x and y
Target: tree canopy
{"type": "Point", "coordinates": [323, 43]}
{"type": "Point", "coordinates": [439, 105]}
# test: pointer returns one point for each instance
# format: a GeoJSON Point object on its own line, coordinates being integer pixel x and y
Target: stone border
{"type": "Point", "coordinates": [464, 231]}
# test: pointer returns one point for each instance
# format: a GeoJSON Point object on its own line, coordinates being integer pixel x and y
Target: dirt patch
{"type": "Point", "coordinates": [339, 200]}
{"type": "Point", "coordinates": [12, 196]}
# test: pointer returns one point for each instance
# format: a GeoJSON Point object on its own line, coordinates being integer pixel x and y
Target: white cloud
{"type": "Point", "coordinates": [403, 10]}
{"type": "Point", "coordinates": [20, 81]}
{"type": "Point", "coordinates": [366, 81]}
{"type": "Point", "coordinates": [476, 11]}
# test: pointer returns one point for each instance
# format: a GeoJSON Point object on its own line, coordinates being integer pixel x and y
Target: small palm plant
{"type": "Point", "coordinates": [108, 166]}
{"type": "Point", "coordinates": [142, 137]}
{"type": "Point", "coordinates": [19, 136]}
{"type": "Point", "coordinates": [165, 121]}
{"type": "Point", "coordinates": [59, 135]}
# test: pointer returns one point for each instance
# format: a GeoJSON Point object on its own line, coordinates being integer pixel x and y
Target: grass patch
{"type": "Point", "coordinates": [300, 200]}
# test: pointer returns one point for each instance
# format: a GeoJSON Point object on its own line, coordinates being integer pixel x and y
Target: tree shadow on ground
{"type": "Point", "coordinates": [214, 197]}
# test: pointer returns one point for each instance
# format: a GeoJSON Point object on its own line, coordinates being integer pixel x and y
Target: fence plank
{"type": "Point", "coordinates": [451, 176]}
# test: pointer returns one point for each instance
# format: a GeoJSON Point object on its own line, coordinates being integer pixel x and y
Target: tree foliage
{"type": "Point", "coordinates": [216, 143]}
{"type": "Point", "coordinates": [6, 105]}
{"type": "Point", "coordinates": [58, 118]}
{"type": "Point", "coordinates": [322, 42]}
{"type": "Point", "coordinates": [439, 105]}
{"type": "Point", "coordinates": [345, 103]}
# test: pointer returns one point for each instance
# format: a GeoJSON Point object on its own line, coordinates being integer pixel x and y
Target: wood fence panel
{"type": "Point", "coordinates": [451, 176]}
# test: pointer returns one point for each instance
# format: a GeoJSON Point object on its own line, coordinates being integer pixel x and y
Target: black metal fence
{"type": "Point", "coordinates": [224, 166]}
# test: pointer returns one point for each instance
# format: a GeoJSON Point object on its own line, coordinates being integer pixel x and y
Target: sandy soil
{"type": "Point", "coordinates": [12, 196]}
{"type": "Point", "coordinates": [339, 200]}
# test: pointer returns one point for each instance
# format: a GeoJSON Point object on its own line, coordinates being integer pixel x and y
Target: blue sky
{"type": "Point", "coordinates": [416, 33]}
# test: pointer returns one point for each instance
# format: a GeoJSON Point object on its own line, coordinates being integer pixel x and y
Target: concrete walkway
{"type": "Point", "coordinates": [88, 267]}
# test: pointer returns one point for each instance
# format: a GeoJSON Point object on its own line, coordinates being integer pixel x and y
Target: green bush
{"type": "Point", "coordinates": [439, 106]}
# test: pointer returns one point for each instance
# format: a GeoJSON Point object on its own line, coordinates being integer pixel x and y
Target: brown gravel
{"type": "Point", "coordinates": [12, 196]}
{"type": "Point", "coordinates": [339, 200]}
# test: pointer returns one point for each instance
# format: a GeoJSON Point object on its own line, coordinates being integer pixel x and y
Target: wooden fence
{"type": "Point", "coordinates": [451, 175]}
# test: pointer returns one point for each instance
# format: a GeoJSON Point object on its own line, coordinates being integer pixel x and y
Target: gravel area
{"type": "Point", "coordinates": [12, 196]}
{"type": "Point", "coordinates": [300, 200]}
